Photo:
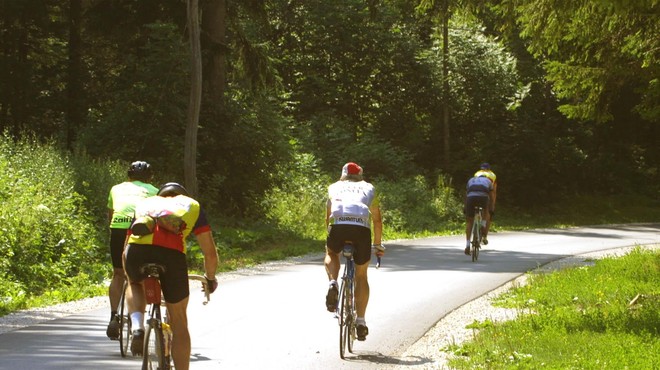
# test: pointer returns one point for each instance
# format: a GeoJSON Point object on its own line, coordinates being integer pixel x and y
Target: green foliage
{"type": "Point", "coordinates": [47, 237]}
{"type": "Point", "coordinates": [298, 205]}
{"type": "Point", "coordinates": [606, 315]}
{"type": "Point", "coordinates": [147, 114]}
{"type": "Point", "coordinates": [593, 49]}
{"type": "Point", "coordinates": [413, 207]}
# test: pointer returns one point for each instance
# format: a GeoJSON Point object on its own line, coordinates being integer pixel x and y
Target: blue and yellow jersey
{"type": "Point", "coordinates": [122, 200]}
{"type": "Point", "coordinates": [188, 209]}
{"type": "Point", "coordinates": [488, 173]}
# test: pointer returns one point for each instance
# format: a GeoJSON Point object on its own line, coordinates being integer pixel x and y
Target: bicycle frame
{"type": "Point", "coordinates": [159, 357]}
{"type": "Point", "coordinates": [346, 308]}
{"type": "Point", "coordinates": [476, 233]}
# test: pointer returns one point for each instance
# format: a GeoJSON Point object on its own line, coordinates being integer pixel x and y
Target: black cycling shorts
{"type": "Point", "coordinates": [471, 202]}
{"type": "Point", "coordinates": [117, 240]}
{"type": "Point", "coordinates": [359, 235]}
{"type": "Point", "coordinates": [174, 282]}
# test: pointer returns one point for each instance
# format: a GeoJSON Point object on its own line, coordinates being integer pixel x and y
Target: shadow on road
{"type": "Point", "coordinates": [379, 358]}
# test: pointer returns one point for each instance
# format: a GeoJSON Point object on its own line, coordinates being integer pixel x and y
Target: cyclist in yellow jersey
{"type": "Point", "coordinates": [121, 205]}
{"type": "Point", "coordinates": [164, 243]}
{"type": "Point", "coordinates": [484, 170]}
{"type": "Point", "coordinates": [351, 209]}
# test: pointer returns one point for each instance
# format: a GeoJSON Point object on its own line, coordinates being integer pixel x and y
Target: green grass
{"type": "Point", "coordinates": [577, 318]}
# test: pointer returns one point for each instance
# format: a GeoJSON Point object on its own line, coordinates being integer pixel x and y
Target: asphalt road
{"type": "Point", "coordinates": [276, 319]}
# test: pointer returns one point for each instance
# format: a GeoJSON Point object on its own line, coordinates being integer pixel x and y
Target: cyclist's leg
{"type": "Point", "coordinates": [332, 262]}
{"type": "Point", "coordinates": [117, 238]}
{"type": "Point", "coordinates": [178, 320]}
{"type": "Point", "coordinates": [362, 258]}
{"type": "Point", "coordinates": [134, 257]}
{"type": "Point", "coordinates": [176, 291]}
{"type": "Point", "coordinates": [469, 222]}
{"type": "Point", "coordinates": [486, 215]}
{"type": "Point", "coordinates": [361, 289]}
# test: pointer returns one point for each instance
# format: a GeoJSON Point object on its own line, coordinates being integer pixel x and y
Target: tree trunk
{"type": "Point", "coordinates": [445, 84]}
{"type": "Point", "coordinates": [214, 15]}
{"type": "Point", "coordinates": [190, 150]}
{"type": "Point", "coordinates": [75, 107]}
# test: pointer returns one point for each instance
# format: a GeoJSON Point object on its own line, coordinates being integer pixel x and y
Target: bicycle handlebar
{"type": "Point", "coordinates": [205, 287]}
{"type": "Point", "coordinates": [380, 250]}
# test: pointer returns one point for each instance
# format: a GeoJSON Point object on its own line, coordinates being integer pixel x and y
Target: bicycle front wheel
{"type": "Point", "coordinates": [125, 332]}
{"type": "Point", "coordinates": [350, 329]}
{"type": "Point", "coordinates": [343, 332]}
{"type": "Point", "coordinates": [154, 351]}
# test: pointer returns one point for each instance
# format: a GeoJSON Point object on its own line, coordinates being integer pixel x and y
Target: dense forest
{"type": "Point", "coordinates": [561, 97]}
{"type": "Point", "coordinates": [256, 104]}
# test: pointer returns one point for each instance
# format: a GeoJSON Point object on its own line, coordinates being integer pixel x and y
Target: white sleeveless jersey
{"type": "Point", "coordinates": [350, 202]}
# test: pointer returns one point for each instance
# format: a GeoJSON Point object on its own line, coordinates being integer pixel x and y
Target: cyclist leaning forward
{"type": "Point", "coordinates": [164, 243]}
{"type": "Point", "coordinates": [479, 193]}
{"type": "Point", "coordinates": [352, 206]}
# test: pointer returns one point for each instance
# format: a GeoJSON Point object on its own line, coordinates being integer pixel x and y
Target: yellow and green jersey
{"type": "Point", "coordinates": [122, 200]}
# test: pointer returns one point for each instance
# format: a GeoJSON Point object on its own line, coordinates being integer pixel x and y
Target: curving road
{"type": "Point", "coordinates": [276, 319]}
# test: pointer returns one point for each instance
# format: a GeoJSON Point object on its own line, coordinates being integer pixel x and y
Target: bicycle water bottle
{"type": "Point", "coordinates": [167, 338]}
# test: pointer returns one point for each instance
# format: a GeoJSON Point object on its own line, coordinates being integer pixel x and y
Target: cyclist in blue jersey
{"type": "Point", "coordinates": [479, 193]}
{"type": "Point", "coordinates": [351, 209]}
{"type": "Point", "coordinates": [121, 205]}
{"type": "Point", "coordinates": [485, 170]}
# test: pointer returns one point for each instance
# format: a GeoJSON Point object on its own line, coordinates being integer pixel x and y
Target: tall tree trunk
{"type": "Point", "coordinates": [190, 150]}
{"type": "Point", "coordinates": [445, 84]}
{"type": "Point", "coordinates": [75, 107]}
{"type": "Point", "coordinates": [214, 25]}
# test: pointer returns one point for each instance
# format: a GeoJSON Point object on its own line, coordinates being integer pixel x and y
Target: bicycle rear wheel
{"type": "Point", "coordinates": [125, 332]}
{"type": "Point", "coordinates": [343, 328]}
{"type": "Point", "coordinates": [476, 239]}
{"type": "Point", "coordinates": [154, 352]}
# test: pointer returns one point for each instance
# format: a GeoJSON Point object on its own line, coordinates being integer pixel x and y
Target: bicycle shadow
{"type": "Point", "coordinates": [196, 357]}
{"type": "Point", "coordinates": [379, 358]}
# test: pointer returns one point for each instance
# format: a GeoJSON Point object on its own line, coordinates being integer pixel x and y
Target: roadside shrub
{"type": "Point", "coordinates": [298, 204]}
{"type": "Point", "coordinates": [410, 205]}
{"type": "Point", "coordinates": [46, 238]}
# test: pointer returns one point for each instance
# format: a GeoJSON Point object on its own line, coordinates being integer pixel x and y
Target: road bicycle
{"type": "Point", "coordinates": [476, 233]}
{"type": "Point", "coordinates": [158, 334]}
{"type": "Point", "coordinates": [346, 310]}
{"type": "Point", "coordinates": [125, 332]}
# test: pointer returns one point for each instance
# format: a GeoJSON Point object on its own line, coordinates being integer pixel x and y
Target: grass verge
{"type": "Point", "coordinates": [605, 316]}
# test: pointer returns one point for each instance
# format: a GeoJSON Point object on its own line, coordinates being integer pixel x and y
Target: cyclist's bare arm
{"type": "Point", "coordinates": [207, 244]}
{"type": "Point", "coordinates": [377, 220]}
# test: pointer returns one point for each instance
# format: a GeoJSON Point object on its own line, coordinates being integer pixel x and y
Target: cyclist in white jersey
{"type": "Point", "coordinates": [351, 209]}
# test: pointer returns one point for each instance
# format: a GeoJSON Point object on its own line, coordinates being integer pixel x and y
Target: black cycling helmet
{"type": "Point", "coordinates": [139, 170]}
{"type": "Point", "coordinates": [171, 189]}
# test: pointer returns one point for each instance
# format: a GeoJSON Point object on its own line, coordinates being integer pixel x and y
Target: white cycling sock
{"type": "Point", "coordinates": [361, 320]}
{"type": "Point", "coordinates": [137, 320]}
{"type": "Point", "coordinates": [467, 244]}
{"type": "Point", "coordinates": [333, 282]}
